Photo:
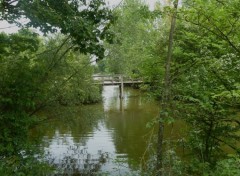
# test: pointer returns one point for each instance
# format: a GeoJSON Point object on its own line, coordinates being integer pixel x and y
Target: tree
{"type": "Point", "coordinates": [16, 83]}
{"type": "Point", "coordinates": [85, 21]}
{"type": "Point", "coordinates": [205, 78]}
{"type": "Point", "coordinates": [135, 38]}
{"type": "Point", "coordinates": [166, 95]}
{"type": "Point", "coordinates": [36, 72]}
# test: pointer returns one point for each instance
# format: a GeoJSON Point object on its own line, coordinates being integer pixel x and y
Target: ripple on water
{"type": "Point", "coordinates": [109, 143]}
{"type": "Point", "coordinates": [98, 153]}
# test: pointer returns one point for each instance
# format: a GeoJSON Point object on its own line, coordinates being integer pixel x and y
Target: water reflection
{"type": "Point", "coordinates": [107, 137]}
{"type": "Point", "coordinates": [84, 159]}
{"type": "Point", "coordinates": [129, 124]}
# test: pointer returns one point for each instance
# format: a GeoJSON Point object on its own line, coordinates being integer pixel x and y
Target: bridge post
{"type": "Point", "coordinates": [102, 79]}
{"type": "Point", "coordinates": [121, 87]}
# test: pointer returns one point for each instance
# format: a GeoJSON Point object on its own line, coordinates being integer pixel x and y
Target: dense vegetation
{"type": "Point", "coordinates": [188, 54]}
{"type": "Point", "coordinates": [40, 71]}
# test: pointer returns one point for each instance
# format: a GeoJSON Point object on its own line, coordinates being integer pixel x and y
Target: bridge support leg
{"type": "Point", "coordinates": [121, 87]}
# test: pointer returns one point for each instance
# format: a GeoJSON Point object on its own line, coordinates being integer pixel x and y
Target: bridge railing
{"type": "Point", "coordinates": [104, 78]}
{"type": "Point", "coordinates": [114, 78]}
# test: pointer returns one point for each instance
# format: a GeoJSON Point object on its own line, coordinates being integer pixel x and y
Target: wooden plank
{"type": "Point", "coordinates": [117, 83]}
{"type": "Point", "coordinates": [114, 80]}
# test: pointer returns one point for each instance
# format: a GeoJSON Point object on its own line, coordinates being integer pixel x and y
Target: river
{"type": "Point", "coordinates": [108, 137]}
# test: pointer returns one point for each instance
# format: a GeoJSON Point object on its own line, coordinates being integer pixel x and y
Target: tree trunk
{"type": "Point", "coordinates": [166, 97]}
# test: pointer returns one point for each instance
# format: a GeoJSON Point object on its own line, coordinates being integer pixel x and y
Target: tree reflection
{"type": "Point", "coordinates": [130, 134]}
{"type": "Point", "coordinates": [77, 161]}
{"type": "Point", "coordinates": [67, 121]}
{"type": "Point", "coordinates": [80, 140]}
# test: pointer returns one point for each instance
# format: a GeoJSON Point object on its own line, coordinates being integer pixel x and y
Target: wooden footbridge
{"type": "Point", "coordinates": [120, 80]}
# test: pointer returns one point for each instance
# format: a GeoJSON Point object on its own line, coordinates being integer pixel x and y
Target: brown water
{"type": "Point", "coordinates": [108, 137]}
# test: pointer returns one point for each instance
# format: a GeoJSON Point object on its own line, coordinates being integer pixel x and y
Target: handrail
{"type": "Point", "coordinates": [117, 78]}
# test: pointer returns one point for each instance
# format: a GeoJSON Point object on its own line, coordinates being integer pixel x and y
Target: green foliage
{"type": "Point", "coordinates": [204, 79]}
{"type": "Point", "coordinates": [87, 22]}
{"type": "Point", "coordinates": [24, 166]}
{"type": "Point", "coordinates": [17, 89]}
{"type": "Point", "coordinates": [227, 167]}
{"type": "Point", "coordinates": [34, 74]}
{"type": "Point", "coordinates": [68, 72]}
{"type": "Point", "coordinates": [16, 43]}
{"type": "Point", "coordinates": [204, 73]}
{"type": "Point", "coordinates": [135, 38]}
{"type": "Point", "coordinates": [208, 66]}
